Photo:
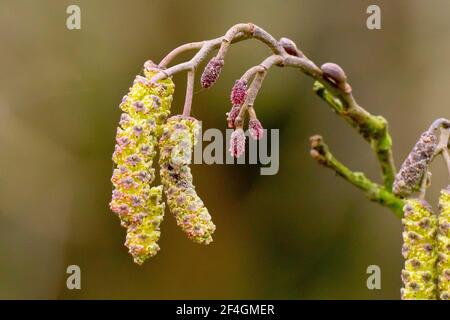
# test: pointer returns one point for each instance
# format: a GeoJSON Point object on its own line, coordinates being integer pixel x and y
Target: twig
{"type": "Point", "coordinates": [259, 72]}
{"type": "Point", "coordinates": [189, 93]}
{"type": "Point", "coordinates": [446, 156]}
{"type": "Point", "coordinates": [321, 153]}
{"type": "Point", "coordinates": [374, 129]}
{"type": "Point", "coordinates": [335, 91]}
{"type": "Point", "coordinates": [442, 148]}
{"type": "Point", "coordinates": [236, 33]}
{"type": "Point", "coordinates": [252, 30]}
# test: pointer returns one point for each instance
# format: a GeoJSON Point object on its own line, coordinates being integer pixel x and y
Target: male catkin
{"type": "Point", "coordinates": [176, 146]}
{"type": "Point", "coordinates": [419, 250]}
{"type": "Point", "coordinates": [134, 200]}
{"type": "Point", "coordinates": [443, 244]}
{"type": "Point", "coordinates": [414, 168]}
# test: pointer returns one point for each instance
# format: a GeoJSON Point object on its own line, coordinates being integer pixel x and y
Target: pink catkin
{"type": "Point", "coordinates": [256, 129]}
{"type": "Point", "coordinates": [211, 72]}
{"type": "Point", "coordinates": [232, 115]}
{"type": "Point", "coordinates": [239, 92]}
{"type": "Point", "coordinates": [237, 143]}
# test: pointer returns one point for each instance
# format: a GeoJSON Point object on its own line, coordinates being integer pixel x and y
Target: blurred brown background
{"type": "Point", "coordinates": [301, 234]}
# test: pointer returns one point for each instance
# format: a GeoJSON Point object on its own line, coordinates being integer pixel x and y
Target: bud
{"type": "Point", "coordinates": [419, 249]}
{"type": "Point", "coordinates": [211, 72]}
{"type": "Point", "coordinates": [176, 145]}
{"type": "Point", "coordinates": [237, 143]}
{"type": "Point", "coordinates": [290, 47]}
{"type": "Point", "coordinates": [335, 74]}
{"type": "Point", "coordinates": [137, 204]}
{"type": "Point", "coordinates": [443, 245]}
{"type": "Point", "coordinates": [256, 129]}
{"type": "Point", "coordinates": [413, 170]}
{"type": "Point", "coordinates": [239, 92]}
{"type": "Point", "coordinates": [232, 115]}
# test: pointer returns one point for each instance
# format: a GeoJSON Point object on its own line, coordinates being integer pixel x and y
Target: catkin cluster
{"type": "Point", "coordinates": [176, 146]}
{"type": "Point", "coordinates": [443, 244]}
{"type": "Point", "coordinates": [419, 250]}
{"type": "Point", "coordinates": [137, 203]}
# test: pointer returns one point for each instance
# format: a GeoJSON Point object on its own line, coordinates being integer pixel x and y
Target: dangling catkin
{"type": "Point", "coordinates": [176, 146]}
{"type": "Point", "coordinates": [134, 200]}
{"type": "Point", "coordinates": [419, 250]}
{"type": "Point", "coordinates": [443, 244]}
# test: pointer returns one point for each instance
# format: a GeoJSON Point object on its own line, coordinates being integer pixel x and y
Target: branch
{"type": "Point", "coordinates": [236, 33]}
{"type": "Point", "coordinates": [321, 153]}
{"type": "Point", "coordinates": [189, 93]}
{"type": "Point", "coordinates": [331, 85]}
{"type": "Point", "coordinates": [374, 129]}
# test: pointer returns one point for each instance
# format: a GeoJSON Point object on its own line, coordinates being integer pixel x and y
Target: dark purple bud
{"type": "Point", "coordinates": [239, 92]}
{"type": "Point", "coordinates": [211, 72]}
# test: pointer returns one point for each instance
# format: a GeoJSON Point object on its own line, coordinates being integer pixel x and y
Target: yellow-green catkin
{"type": "Point", "coordinates": [420, 251]}
{"type": "Point", "coordinates": [443, 244]}
{"type": "Point", "coordinates": [176, 146]}
{"type": "Point", "coordinates": [138, 204]}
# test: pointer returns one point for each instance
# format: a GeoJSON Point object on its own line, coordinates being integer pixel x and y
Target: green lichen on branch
{"type": "Point", "coordinates": [374, 129]}
{"type": "Point", "coordinates": [375, 192]}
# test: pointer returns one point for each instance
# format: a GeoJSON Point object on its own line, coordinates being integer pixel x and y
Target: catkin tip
{"type": "Point", "coordinates": [256, 129]}
{"type": "Point", "coordinates": [176, 145]}
{"type": "Point", "coordinates": [237, 143]}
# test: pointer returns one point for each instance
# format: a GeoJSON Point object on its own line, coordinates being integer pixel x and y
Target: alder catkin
{"type": "Point", "coordinates": [413, 170]}
{"type": "Point", "coordinates": [176, 146]}
{"type": "Point", "coordinates": [211, 72]}
{"type": "Point", "coordinates": [443, 244]}
{"type": "Point", "coordinates": [134, 200]}
{"type": "Point", "coordinates": [238, 92]}
{"type": "Point", "coordinates": [419, 250]}
{"type": "Point", "coordinates": [237, 143]}
{"type": "Point", "coordinates": [256, 129]}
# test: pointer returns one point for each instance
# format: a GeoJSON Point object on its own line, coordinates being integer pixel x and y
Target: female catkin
{"type": "Point", "coordinates": [443, 244]}
{"type": "Point", "coordinates": [176, 146]}
{"type": "Point", "coordinates": [419, 249]}
{"type": "Point", "coordinates": [138, 204]}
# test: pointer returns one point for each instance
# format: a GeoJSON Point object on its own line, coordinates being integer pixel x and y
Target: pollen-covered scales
{"type": "Point", "coordinates": [419, 250]}
{"type": "Point", "coordinates": [443, 243]}
{"type": "Point", "coordinates": [134, 200]}
{"type": "Point", "coordinates": [176, 146]}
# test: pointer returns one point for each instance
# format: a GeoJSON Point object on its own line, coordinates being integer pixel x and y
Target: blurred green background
{"type": "Point", "coordinates": [300, 234]}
